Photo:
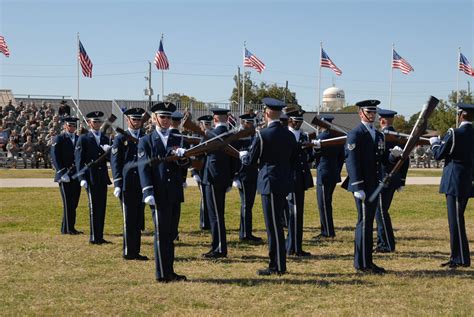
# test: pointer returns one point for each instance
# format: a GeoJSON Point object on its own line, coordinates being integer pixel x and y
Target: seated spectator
{"type": "Point", "coordinates": [4, 137]}
{"type": "Point", "coordinates": [29, 152]}
{"type": "Point", "coordinates": [14, 136]}
{"type": "Point", "coordinates": [49, 138]}
{"type": "Point", "coordinates": [64, 109]}
{"type": "Point", "coordinates": [9, 106]}
{"type": "Point", "coordinates": [42, 153]}
{"type": "Point", "coordinates": [13, 149]}
{"type": "Point", "coordinates": [54, 121]}
{"type": "Point", "coordinates": [41, 130]}
{"type": "Point", "coordinates": [21, 119]}
{"type": "Point", "coordinates": [9, 121]}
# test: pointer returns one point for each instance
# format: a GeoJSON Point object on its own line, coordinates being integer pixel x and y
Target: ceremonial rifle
{"type": "Point", "coordinates": [418, 130]}
{"type": "Point", "coordinates": [337, 141]}
{"type": "Point", "coordinates": [337, 131]}
{"type": "Point", "coordinates": [402, 138]}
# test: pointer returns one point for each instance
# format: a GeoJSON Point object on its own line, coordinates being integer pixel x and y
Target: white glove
{"type": "Point", "coordinates": [65, 178]}
{"type": "Point", "coordinates": [237, 183]}
{"type": "Point", "coordinates": [84, 184]}
{"type": "Point", "coordinates": [105, 147]}
{"type": "Point", "coordinates": [149, 200]}
{"type": "Point", "coordinates": [180, 152]}
{"type": "Point", "coordinates": [288, 197]}
{"type": "Point", "coordinates": [117, 192]}
{"type": "Point", "coordinates": [243, 154]}
{"type": "Point", "coordinates": [317, 144]}
{"type": "Point", "coordinates": [228, 189]}
{"type": "Point", "coordinates": [360, 194]}
{"type": "Point", "coordinates": [197, 178]}
{"type": "Point", "coordinates": [185, 185]}
{"type": "Point", "coordinates": [396, 152]}
{"type": "Point", "coordinates": [400, 189]}
{"type": "Point", "coordinates": [435, 140]}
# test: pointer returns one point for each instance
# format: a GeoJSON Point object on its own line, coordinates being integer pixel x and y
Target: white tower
{"type": "Point", "coordinates": [333, 99]}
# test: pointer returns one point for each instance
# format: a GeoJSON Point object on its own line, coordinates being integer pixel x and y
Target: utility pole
{"type": "Point", "coordinates": [286, 91]}
{"type": "Point", "coordinates": [149, 90]}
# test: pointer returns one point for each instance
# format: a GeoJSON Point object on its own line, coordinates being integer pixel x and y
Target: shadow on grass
{"type": "Point", "coordinates": [415, 255]}
{"type": "Point", "coordinates": [462, 273]}
{"type": "Point", "coordinates": [277, 280]}
{"type": "Point", "coordinates": [415, 238]}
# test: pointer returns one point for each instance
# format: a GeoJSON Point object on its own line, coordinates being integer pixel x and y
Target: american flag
{"type": "Point", "coordinates": [161, 61]}
{"type": "Point", "coordinates": [4, 47]}
{"type": "Point", "coordinates": [465, 66]}
{"type": "Point", "coordinates": [400, 63]}
{"type": "Point", "coordinates": [86, 63]}
{"type": "Point", "coordinates": [251, 60]}
{"type": "Point", "coordinates": [327, 62]}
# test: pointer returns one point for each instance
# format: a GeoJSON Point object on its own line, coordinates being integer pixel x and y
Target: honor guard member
{"type": "Point", "coordinates": [89, 147]}
{"type": "Point", "coordinates": [219, 171]}
{"type": "Point", "coordinates": [329, 162]}
{"type": "Point", "coordinates": [274, 152]}
{"type": "Point", "coordinates": [246, 182]}
{"type": "Point", "coordinates": [127, 183]}
{"type": "Point", "coordinates": [457, 183]}
{"type": "Point", "coordinates": [385, 236]}
{"type": "Point", "coordinates": [205, 122]}
{"type": "Point", "coordinates": [62, 155]}
{"type": "Point", "coordinates": [162, 188]}
{"type": "Point", "coordinates": [365, 151]}
{"type": "Point", "coordinates": [302, 179]}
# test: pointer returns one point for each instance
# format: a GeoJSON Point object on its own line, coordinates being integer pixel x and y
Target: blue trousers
{"type": "Point", "coordinates": [247, 198]}
{"type": "Point", "coordinates": [215, 198]}
{"type": "Point", "coordinates": [133, 221]}
{"type": "Point", "coordinates": [97, 203]}
{"type": "Point", "coordinates": [70, 193]}
{"type": "Point", "coordinates": [324, 195]}
{"type": "Point", "coordinates": [294, 240]}
{"type": "Point", "coordinates": [457, 229]}
{"type": "Point", "coordinates": [385, 236]}
{"type": "Point", "coordinates": [203, 212]}
{"type": "Point", "coordinates": [363, 234]}
{"type": "Point", "coordinates": [164, 214]}
{"type": "Point", "coordinates": [273, 206]}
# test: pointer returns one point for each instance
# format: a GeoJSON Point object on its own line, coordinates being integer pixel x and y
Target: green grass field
{"type": "Point", "coordinates": [45, 273]}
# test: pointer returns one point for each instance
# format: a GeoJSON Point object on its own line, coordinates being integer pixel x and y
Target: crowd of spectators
{"type": "Point", "coordinates": [27, 131]}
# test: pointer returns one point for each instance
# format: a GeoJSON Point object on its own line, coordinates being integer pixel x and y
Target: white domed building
{"type": "Point", "coordinates": [334, 99]}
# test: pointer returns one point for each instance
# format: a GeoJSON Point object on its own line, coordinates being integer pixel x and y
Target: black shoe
{"type": "Point", "coordinates": [140, 257]}
{"type": "Point", "coordinates": [74, 231]}
{"type": "Point", "coordinates": [129, 257]}
{"type": "Point", "coordinates": [178, 278]}
{"type": "Point", "coordinates": [214, 255]}
{"type": "Point", "coordinates": [103, 241]}
{"type": "Point", "coordinates": [207, 253]}
{"type": "Point", "coordinates": [163, 280]}
{"type": "Point", "coordinates": [302, 253]}
{"type": "Point", "coordinates": [377, 269]}
{"type": "Point", "coordinates": [95, 242]}
{"type": "Point", "coordinates": [452, 265]}
{"type": "Point", "coordinates": [267, 272]}
{"type": "Point", "coordinates": [381, 250]}
{"type": "Point", "coordinates": [251, 238]}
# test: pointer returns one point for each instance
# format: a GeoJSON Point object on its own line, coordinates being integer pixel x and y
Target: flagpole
{"type": "Point", "coordinates": [457, 77]}
{"type": "Point", "coordinates": [162, 78]}
{"type": "Point", "coordinates": [391, 79]}
{"type": "Point", "coordinates": [457, 84]}
{"type": "Point", "coordinates": [78, 71]}
{"type": "Point", "coordinates": [242, 106]}
{"type": "Point", "coordinates": [319, 81]}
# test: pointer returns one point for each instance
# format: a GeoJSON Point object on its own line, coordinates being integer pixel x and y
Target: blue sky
{"type": "Point", "coordinates": [204, 39]}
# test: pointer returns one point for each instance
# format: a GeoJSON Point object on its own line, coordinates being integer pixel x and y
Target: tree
{"type": "Point", "coordinates": [400, 124]}
{"type": "Point", "coordinates": [352, 108]}
{"type": "Point", "coordinates": [255, 93]}
{"type": "Point", "coordinates": [464, 96]}
{"type": "Point", "coordinates": [185, 101]}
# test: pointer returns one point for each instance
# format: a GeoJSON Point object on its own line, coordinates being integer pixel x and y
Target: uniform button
{"type": "Point", "coordinates": [167, 171]}
{"type": "Point", "coordinates": [168, 179]}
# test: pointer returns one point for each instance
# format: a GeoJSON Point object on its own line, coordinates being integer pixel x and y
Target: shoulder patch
{"type": "Point", "coordinates": [114, 150]}
{"type": "Point", "coordinates": [140, 154]}
{"type": "Point", "coordinates": [350, 146]}
{"type": "Point", "coordinates": [54, 144]}
{"type": "Point", "coordinates": [78, 147]}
